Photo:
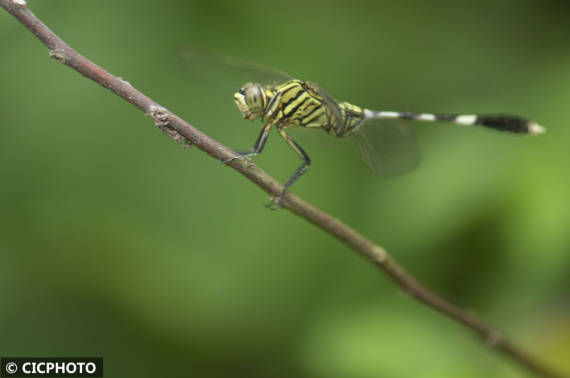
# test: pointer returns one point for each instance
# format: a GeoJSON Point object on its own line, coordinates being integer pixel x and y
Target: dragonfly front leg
{"type": "Point", "coordinates": [257, 147]}
{"type": "Point", "coordinates": [273, 205]}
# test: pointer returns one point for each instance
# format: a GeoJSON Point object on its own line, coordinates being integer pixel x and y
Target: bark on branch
{"type": "Point", "coordinates": [183, 132]}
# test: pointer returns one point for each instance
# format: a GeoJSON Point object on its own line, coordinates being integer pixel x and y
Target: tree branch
{"type": "Point", "coordinates": [181, 131]}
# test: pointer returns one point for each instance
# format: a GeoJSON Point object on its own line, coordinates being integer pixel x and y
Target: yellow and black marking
{"type": "Point", "coordinates": [296, 103]}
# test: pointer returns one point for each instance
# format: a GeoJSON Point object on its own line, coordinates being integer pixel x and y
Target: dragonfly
{"type": "Point", "coordinates": [386, 146]}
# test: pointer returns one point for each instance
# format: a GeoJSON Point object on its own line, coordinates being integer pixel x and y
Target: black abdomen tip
{"type": "Point", "coordinates": [509, 123]}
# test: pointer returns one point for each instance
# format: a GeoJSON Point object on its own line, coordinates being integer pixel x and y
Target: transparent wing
{"type": "Point", "coordinates": [387, 146]}
{"type": "Point", "coordinates": [213, 78]}
{"type": "Point", "coordinates": [217, 68]}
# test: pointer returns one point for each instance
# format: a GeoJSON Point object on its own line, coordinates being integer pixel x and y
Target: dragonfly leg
{"type": "Point", "coordinates": [257, 146]}
{"type": "Point", "coordinates": [273, 205]}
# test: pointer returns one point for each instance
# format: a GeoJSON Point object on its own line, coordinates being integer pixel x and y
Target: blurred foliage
{"type": "Point", "coordinates": [115, 242]}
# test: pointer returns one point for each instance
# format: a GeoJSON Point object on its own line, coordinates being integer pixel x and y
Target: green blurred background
{"type": "Point", "coordinates": [116, 242]}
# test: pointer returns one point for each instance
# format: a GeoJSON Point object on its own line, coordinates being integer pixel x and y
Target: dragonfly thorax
{"type": "Point", "coordinates": [251, 101]}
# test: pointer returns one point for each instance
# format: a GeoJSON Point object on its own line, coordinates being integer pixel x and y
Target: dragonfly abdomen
{"type": "Point", "coordinates": [494, 121]}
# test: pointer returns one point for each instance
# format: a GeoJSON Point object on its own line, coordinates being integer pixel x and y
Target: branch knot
{"type": "Point", "coordinates": [19, 3]}
{"type": "Point", "coordinates": [160, 117]}
{"type": "Point", "coordinates": [59, 55]}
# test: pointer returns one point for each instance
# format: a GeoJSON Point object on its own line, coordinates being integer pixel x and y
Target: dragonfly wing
{"type": "Point", "coordinates": [233, 71]}
{"type": "Point", "coordinates": [387, 146]}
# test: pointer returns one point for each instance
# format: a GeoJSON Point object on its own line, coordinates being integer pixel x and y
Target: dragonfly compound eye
{"type": "Point", "coordinates": [250, 101]}
{"type": "Point", "coordinates": [255, 99]}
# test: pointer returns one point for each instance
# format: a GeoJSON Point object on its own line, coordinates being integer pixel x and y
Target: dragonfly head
{"type": "Point", "coordinates": [251, 101]}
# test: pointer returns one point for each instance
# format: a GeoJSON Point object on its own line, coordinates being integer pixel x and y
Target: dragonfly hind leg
{"type": "Point", "coordinates": [257, 146]}
{"type": "Point", "coordinates": [274, 204]}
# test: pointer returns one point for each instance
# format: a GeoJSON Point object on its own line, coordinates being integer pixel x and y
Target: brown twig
{"type": "Point", "coordinates": [181, 131]}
